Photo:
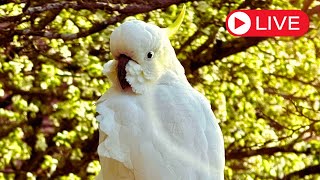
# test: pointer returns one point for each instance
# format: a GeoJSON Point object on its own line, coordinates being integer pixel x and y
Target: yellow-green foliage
{"type": "Point", "coordinates": [266, 96]}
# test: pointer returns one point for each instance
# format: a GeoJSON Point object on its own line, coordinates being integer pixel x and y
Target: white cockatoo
{"type": "Point", "coordinates": [153, 124]}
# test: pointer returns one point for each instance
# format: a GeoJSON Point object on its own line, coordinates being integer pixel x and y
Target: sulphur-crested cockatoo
{"type": "Point", "coordinates": [153, 124]}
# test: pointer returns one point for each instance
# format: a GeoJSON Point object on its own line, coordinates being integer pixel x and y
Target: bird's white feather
{"type": "Point", "coordinates": [167, 133]}
{"type": "Point", "coordinates": [160, 128]}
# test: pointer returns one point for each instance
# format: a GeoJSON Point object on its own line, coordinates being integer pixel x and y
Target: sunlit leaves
{"type": "Point", "coordinates": [65, 138]}
{"type": "Point", "coordinates": [49, 164]}
{"type": "Point", "coordinates": [11, 9]}
{"type": "Point", "coordinates": [265, 96]}
{"type": "Point", "coordinates": [70, 176]}
{"type": "Point", "coordinates": [41, 144]}
{"type": "Point", "coordinates": [13, 148]}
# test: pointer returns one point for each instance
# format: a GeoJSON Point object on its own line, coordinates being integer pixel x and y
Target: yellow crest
{"type": "Point", "coordinates": [173, 28]}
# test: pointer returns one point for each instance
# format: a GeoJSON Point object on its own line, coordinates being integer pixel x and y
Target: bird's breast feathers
{"type": "Point", "coordinates": [170, 125]}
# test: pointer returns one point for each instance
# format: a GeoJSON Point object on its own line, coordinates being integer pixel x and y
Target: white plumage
{"type": "Point", "coordinates": [153, 124]}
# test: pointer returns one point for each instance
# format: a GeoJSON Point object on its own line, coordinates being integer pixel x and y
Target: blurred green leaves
{"type": "Point", "coordinates": [265, 96]}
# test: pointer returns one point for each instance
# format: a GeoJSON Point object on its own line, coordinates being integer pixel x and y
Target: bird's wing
{"type": "Point", "coordinates": [195, 137]}
{"type": "Point", "coordinates": [115, 113]}
{"type": "Point", "coordinates": [214, 138]}
{"type": "Point", "coordinates": [112, 169]}
{"type": "Point", "coordinates": [129, 138]}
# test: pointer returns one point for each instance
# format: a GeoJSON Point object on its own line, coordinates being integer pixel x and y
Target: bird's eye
{"type": "Point", "coordinates": [150, 55]}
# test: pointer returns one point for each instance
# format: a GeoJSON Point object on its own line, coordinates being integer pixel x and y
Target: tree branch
{"type": "Point", "coordinates": [228, 48]}
{"type": "Point", "coordinates": [239, 154]}
{"type": "Point", "coordinates": [53, 35]}
{"type": "Point", "coordinates": [303, 172]}
{"type": "Point", "coordinates": [128, 10]}
{"type": "Point", "coordinates": [225, 49]}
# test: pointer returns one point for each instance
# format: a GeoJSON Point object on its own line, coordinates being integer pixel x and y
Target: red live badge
{"type": "Point", "coordinates": [267, 23]}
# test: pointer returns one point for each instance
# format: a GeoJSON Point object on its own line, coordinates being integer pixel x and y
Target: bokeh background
{"type": "Point", "coordinates": [264, 91]}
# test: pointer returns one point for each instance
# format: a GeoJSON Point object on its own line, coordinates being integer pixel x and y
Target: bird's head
{"type": "Point", "coordinates": [143, 53]}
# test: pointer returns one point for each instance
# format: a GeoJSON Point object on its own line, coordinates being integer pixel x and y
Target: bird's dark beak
{"type": "Point", "coordinates": [122, 62]}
